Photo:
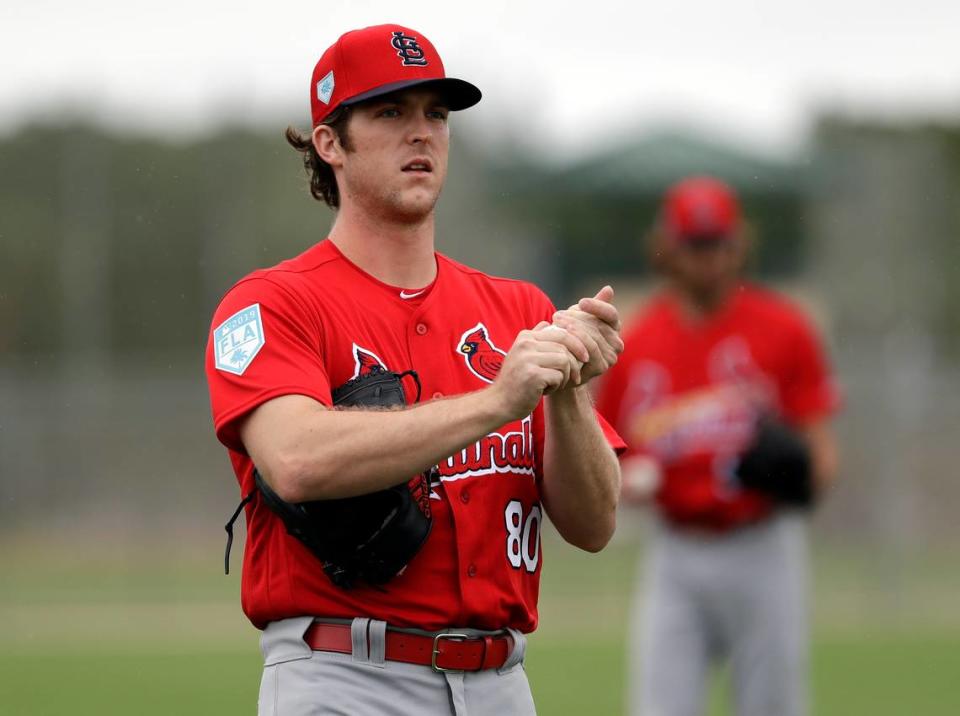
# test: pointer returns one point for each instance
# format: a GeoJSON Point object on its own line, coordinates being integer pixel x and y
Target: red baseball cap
{"type": "Point", "coordinates": [377, 60]}
{"type": "Point", "coordinates": [700, 208]}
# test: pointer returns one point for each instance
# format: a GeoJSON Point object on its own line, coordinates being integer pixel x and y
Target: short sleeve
{"type": "Point", "coordinates": [610, 391]}
{"type": "Point", "coordinates": [611, 388]}
{"type": "Point", "coordinates": [613, 438]}
{"type": "Point", "coordinates": [263, 343]}
{"type": "Point", "coordinates": [809, 390]}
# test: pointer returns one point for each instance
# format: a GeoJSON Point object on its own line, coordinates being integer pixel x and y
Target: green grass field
{"type": "Point", "coordinates": [163, 634]}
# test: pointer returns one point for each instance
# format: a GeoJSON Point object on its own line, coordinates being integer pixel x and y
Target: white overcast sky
{"type": "Point", "coordinates": [569, 75]}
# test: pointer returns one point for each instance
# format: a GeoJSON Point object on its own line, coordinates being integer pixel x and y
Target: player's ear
{"type": "Point", "coordinates": [327, 143]}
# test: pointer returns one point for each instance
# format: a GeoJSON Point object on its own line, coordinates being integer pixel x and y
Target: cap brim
{"type": "Point", "coordinates": [458, 94]}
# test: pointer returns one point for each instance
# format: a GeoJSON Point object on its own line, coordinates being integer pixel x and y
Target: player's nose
{"type": "Point", "coordinates": [419, 135]}
{"type": "Point", "coordinates": [421, 129]}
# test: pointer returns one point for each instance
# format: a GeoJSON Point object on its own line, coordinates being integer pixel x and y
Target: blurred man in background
{"type": "Point", "coordinates": [724, 397]}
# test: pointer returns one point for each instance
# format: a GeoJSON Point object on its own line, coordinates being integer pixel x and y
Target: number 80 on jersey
{"type": "Point", "coordinates": [523, 535]}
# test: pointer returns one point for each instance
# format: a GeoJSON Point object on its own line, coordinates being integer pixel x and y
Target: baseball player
{"type": "Point", "coordinates": [400, 424]}
{"type": "Point", "coordinates": [724, 398]}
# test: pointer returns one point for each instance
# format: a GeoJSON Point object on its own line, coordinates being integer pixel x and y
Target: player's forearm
{"type": "Point", "coordinates": [330, 454]}
{"type": "Point", "coordinates": [581, 482]}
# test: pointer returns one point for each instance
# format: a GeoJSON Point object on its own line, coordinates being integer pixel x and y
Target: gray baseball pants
{"type": "Point", "coordinates": [298, 681]}
{"type": "Point", "coordinates": [739, 597]}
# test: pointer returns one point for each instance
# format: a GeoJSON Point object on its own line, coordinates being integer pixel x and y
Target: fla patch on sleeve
{"type": "Point", "coordinates": [238, 339]}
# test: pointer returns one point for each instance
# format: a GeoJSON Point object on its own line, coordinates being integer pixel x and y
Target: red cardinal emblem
{"type": "Point", "coordinates": [366, 362]}
{"type": "Point", "coordinates": [483, 358]}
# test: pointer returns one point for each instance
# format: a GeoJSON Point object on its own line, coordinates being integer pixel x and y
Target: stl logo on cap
{"type": "Point", "coordinates": [408, 49]}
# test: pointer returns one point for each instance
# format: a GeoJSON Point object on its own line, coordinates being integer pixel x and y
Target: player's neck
{"type": "Point", "coordinates": [703, 305]}
{"type": "Point", "coordinates": [399, 254]}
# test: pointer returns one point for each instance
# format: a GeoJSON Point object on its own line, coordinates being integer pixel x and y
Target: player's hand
{"type": "Point", "coordinates": [540, 361]}
{"type": "Point", "coordinates": [596, 323]}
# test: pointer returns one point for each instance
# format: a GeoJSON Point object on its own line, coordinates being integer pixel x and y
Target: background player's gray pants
{"type": "Point", "coordinates": [740, 597]}
{"type": "Point", "coordinates": [298, 681]}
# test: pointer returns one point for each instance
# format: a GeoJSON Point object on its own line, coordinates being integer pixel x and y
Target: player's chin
{"type": "Point", "coordinates": [415, 206]}
{"type": "Point", "coordinates": [421, 192]}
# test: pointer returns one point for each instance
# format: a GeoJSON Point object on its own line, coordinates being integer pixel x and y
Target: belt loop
{"type": "Point", "coordinates": [358, 639]}
{"type": "Point", "coordinates": [377, 632]}
{"type": "Point", "coordinates": [487, 643]}
{"type": "Point", "coordinates": [517, 654]}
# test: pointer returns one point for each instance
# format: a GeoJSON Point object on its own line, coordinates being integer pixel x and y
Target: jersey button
{"type": "Point", "coordinates": [472, 570]}
{"type": "Point", "coordinates": [421, 328]}
{"type": "Point", "coordinates": [465, 497]}
{"type": "Point", "coordinates": [438, 394]}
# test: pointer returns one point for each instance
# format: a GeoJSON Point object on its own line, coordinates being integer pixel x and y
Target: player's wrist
{"type": "Point", "coordinates": [493, 407]}
{"type": "Point", "coordinates": [571, 399]}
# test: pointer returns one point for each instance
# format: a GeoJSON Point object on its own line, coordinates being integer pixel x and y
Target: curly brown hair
{"type": "Point", "coordinates": [323, 183]}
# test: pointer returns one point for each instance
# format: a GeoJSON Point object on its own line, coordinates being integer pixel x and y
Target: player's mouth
{"type": "Point", "coordinates": [418, 165]}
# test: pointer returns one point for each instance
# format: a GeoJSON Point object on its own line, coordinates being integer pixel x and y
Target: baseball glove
{"type": "Point", "coordinates": [369, 537]}
{"type": "Point", "coordinates": [778, 464]}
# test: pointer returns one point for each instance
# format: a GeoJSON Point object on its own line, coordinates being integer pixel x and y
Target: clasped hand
{"type": "Point", "coordinates": [582, 342]}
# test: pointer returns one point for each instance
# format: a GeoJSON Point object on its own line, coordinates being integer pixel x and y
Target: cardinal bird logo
{"type": "Point", "coordinates": [483, 358]}
{"type": "Point", "coordinates": [366, 362]}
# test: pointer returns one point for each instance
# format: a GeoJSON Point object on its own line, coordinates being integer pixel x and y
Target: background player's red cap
{"type": "Point", "coordinates": [700, 208]}
{"type": "Point", "coordinates": [377, 60]}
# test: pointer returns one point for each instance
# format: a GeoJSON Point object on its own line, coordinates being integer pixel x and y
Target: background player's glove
{"type": "Point", "coordinates": [369, 537]}
{"type": "Point", "coordinates": [778, 464]}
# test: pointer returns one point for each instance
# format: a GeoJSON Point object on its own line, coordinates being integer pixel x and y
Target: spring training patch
{"type": "Point", "coordinates": [325, 88]}
{"type": "Point", "coordinates": [238, 339]}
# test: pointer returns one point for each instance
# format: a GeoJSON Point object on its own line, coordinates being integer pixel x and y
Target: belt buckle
{"type": "Point", "coordinates": [436, 649]}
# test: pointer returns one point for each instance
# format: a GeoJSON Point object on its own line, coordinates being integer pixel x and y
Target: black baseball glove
{"type": "Point", "coordinates": [369, 537]}
{"type": "Point", "coordinates": [778, 464]}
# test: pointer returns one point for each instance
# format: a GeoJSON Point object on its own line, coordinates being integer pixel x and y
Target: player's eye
{"type": "Point", "coordinates": [441, 113]}
{"type": "Point", "coordinates": [389, 112]}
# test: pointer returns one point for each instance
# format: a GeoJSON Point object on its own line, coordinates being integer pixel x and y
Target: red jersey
{"type": "Point", "coordinates": [308, 325]}
{"type": "Point", "coordinates": [688, 394]}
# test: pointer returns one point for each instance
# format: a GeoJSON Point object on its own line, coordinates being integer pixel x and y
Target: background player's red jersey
{"type": "Point", "coordinates": [312, 323]}
{"type": "Point", "coordinates": [687, 392]}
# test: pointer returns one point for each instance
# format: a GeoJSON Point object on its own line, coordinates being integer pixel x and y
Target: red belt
{"type": "Point", "coordinates": [443, 651]}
